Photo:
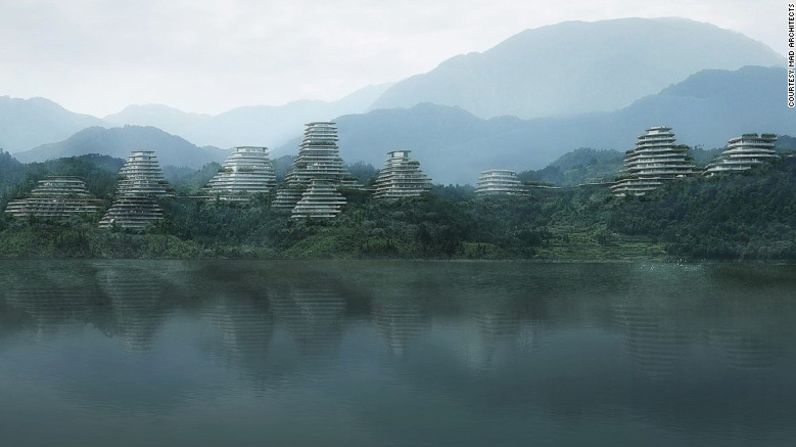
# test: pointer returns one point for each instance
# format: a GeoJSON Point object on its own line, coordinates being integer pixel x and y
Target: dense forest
{"type": "Point", "coordinates": [733, 217]}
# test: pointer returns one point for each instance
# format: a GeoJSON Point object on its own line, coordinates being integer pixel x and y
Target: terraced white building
{"type": "Point", "coordinates": [401, 177]}
{"type": "Point", "coordinates": [320, 200]}
{"type": "Point", "coordinates": [743, 153]}
{"type": "Point", "coordinates": [499, 182]}
{"type": "Point", "coordinates": [55, 198]}
{"type": "Point", "coordinates": [141, 185]}
{"type": "Point", "coordinates": [655, 160]}
{"type": "Point", "coordinates": [318, 159]}
{"type": "Point", "coordinates": [246, 172]}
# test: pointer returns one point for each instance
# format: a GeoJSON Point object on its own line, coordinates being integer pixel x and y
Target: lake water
{"type": "Point", "coordinates": [141, 353]}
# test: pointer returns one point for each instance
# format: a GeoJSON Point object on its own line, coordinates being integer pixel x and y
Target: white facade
{"type": "Point", "coordinates": [401, 177]}
{"type": "Point", "coordinates": [318, 159]}
{"type": "Point", "coordinates": [247, 171]}
{"type": "Point", "coordinates": [499, 182]}
{"type": "Point", "coordinates": [55, 198]}
{"type": "Point", "coordinates": [655, 160]}
{"type": "Point", "coordinates": [141, 185]}
{"type": "Point", "coordinates": [320, 200]}
{"type": "Point", "coordinates": [744, 153]}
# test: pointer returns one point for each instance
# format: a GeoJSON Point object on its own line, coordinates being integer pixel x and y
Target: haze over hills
{"type": "Point", "coordinates": [167, 118]}
{"type": "Point", "coordinates": [25, 123]}
{"type": "Point", "coordinates": [553, 73]}
{"type": "Point", "coordinates": [119, 141]}
{"type": "Point", "coordinates": [250, 125]}
{"type": "Point", "coordinates": [578, 67]}
{"type": "Point", "coordinates": [28, 123]}
{"type": "Point", "coordinates": [454, 146]}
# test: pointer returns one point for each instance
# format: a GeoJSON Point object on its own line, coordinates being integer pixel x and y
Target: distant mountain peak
{"type": "Point", "coordinates": [26, 123]}
{"type": "Point", "coordinates": [453, 145]}
{"type": "Point", "coordinates": [579, 67]}
{"type": "Point", "coordinates": [120, 141]}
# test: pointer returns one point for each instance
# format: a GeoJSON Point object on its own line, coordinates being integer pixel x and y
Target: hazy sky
{"type": "Point", "coordinates": [96, 56]}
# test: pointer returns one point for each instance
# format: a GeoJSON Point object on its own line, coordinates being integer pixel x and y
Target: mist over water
{"type": "Point", "coordinates": [130, 353]}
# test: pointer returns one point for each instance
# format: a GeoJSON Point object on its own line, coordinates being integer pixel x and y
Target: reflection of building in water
{"type": "Point", "coordinates": [744, 349]}
{"type": "Point", "coordinates": [400, 319]}
{"type": "Point", "coordinates": [313, 317]}
{"type": "Point", "coordinates": [652, 341]}
{"type": "Point", "coordinates": [138, 299]}
{"type": "Point", "coordinates": [245, 326]}
{"type": "Point", "coordinates": [52, 295]}
{"type": "Point", "coordinates": [494, 332]}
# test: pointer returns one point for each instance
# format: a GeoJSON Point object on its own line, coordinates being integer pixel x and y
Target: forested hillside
{"type": "Point", "coordinates": [734, 217]}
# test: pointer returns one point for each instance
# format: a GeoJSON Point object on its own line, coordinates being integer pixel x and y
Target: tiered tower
{"type": "Point", "coordinates": [318, 159]}
{"type": "Point", "coordinates": [320, 199]}
{"type": "Point", "coordinates": [55, 198]}
{"type": "Point", "coordinates": [141, 184]}
{"type": "Point", "coordinates": [744, 153]}
{"type": "Point", "coordinates": [655, 160]}
{"type": "Point", "coordinates": [401, 177]}
{"type": "Point", "coordinates": [499, 182]}
{"type": "Point", "coordinates": [247, 171]}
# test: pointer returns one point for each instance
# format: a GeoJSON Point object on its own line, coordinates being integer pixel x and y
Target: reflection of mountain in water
{"type": "Point", "coordinates": [138, 295]}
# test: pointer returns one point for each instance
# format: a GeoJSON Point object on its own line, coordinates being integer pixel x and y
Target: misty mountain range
{"type": "Point", "coordinates": [519, 105]}
{"type": "Point", "coordinates": [119, 141]}
{"type": "Point", "coordinates": [257, 125]}
{"type": "Point", "coordinates": [453, 145]}
{"type": "Point", "coordinates": [578, 67]}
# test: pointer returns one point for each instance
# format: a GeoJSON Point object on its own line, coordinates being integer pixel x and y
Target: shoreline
{"type": "Point", "coordinates": [423, 260]}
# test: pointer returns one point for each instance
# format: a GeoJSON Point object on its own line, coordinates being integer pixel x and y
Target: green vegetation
{"type": "Point", "coordinates": [584, 165]}
{"type": "Point", "coordinates": [749, 216]}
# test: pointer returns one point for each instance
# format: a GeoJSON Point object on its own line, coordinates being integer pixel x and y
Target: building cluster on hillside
{"type": "Point", "coordinates": [315, 185]}
{"type": "Point", "coordinates": [658, 159]}
{"type": "Point", "coordinates": [311, 188]}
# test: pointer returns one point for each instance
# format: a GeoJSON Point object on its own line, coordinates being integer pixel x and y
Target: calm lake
{"type": "Point", "coordinates": [241, 353]}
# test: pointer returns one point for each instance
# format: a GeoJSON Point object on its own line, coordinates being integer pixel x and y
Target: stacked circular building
{"type": "Point", "coordinates": [246, 172]}
{"type": "Point", "coordinates": [55, 198]}
{"type": "Point", "coordinates": [655, 160]}
{"type": "Point", "coordinates": [401, 177]}
{"type": "Point", "coordinates": [317, 171]}
{"type": "Point", "coordinates": [743, 153]}
{"type": "Point", "coordinates": [141, 185]}
{"type": "Point", "coordinates": [499, 182]}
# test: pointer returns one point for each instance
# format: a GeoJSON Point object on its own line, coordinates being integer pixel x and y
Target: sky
{"type": "Point", "coordinates": [98, 56]}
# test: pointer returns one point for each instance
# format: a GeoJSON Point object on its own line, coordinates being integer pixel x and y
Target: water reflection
{"type": "Point", "coordinates": [699, 353]}
{"type": "Point", "coordinates": [139, 301]}
{"type": "Point", "coordinates": [245, 325]}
